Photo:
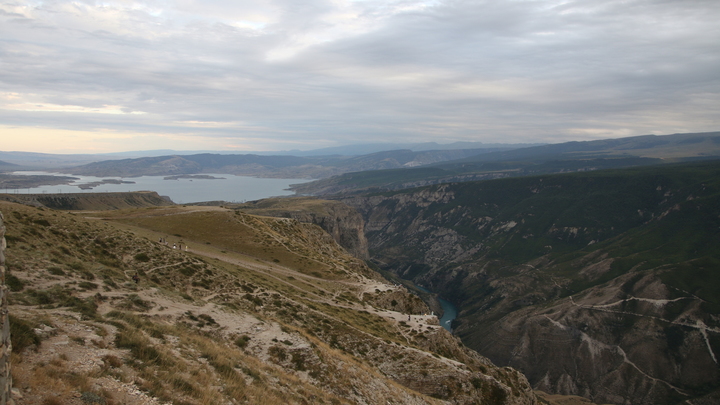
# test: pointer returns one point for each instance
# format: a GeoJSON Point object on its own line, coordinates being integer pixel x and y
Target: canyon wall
{"type": "Point", "coordinates": [342, 222]}
{"type": "Point", "coordinates": [600, 285]}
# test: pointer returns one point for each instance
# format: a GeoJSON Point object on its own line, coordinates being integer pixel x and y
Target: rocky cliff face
{"type": "Point", "coordinates": [342, 222]}
{"type": "Point", "coordinates": [589, 284]}
{"type": "Point", "coordinates": [5, 343]}
{"type": "Point", "coordinates": [398, 235]}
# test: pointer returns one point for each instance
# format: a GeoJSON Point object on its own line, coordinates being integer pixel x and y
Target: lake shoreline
{"type": "Point", "coordinates": [181, 189]}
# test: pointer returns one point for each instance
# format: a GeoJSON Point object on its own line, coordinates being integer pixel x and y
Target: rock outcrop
{"type": "Point", "coordinates": [5, 343]}
{"type": "Point", "coordinates": [342, 222]}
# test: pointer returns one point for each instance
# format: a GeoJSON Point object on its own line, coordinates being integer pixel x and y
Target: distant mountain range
{"type": "Point", "coordinates": [545, 159]}
{"type": "Point", "coordinates": [268, 166]}
{"type": "Point", "coordinates": [365, 149]}
{"type": "Point", "coordinates": [32, 160]}
{"type": "Point", "coordinates": [415, 165]}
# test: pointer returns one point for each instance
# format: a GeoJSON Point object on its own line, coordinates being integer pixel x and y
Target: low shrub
{"type": "Point", "coordinates": [14, 283]}
{"type": "Point", "coordinates": [142, 257]}
{"type": "Point", "coordinates": [56, 271]}
{"type": "Point", "coordinates": [22, 334]}
{"type": "Point", "coordinates": [242, 341]}
{"type": "Point", "coordinates": [140, 347]}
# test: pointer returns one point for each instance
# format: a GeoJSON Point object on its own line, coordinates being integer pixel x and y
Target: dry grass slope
{"type": "Point", "coordinates": [256, 310]}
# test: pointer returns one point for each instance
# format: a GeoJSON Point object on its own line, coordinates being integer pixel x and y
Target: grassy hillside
{"type": "Point", "coordinates": [90, 201]}
{"type": "Point", "coordinates": [235, 308]}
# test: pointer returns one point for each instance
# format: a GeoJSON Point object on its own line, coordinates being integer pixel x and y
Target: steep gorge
{"type": "Point", "coordinates": [600, 284]}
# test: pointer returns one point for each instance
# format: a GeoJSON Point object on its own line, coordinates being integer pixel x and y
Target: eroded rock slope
{"type": "Point", "coordinates": [601, 284]}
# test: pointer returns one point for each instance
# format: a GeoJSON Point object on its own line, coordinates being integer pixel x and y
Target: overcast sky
{"type": "Point", "coordinates": [116, 75]}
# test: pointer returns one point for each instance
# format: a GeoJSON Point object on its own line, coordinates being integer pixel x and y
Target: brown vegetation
{"type": "Point", "coordinates": [257, 310]}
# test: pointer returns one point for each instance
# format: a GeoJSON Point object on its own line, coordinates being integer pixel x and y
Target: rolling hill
{"type": "Point", "coordinates": [546, 159]}
{"type": "Point", "coordinates": [267, 166]}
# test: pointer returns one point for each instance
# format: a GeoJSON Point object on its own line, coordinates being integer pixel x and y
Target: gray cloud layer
{"type": "Point", "coordinates": [282, 74]}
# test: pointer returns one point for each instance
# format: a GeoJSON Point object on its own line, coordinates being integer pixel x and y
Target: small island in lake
{"type": "Point", "coordinates": [193, 176]}
{"type": "Point", "coordinates": [90, 186]}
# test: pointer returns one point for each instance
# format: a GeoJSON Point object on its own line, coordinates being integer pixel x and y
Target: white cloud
{"type": "Point", "coordinates": [44, 107]}
{"type": "Point", "coordinates": [324, 72]}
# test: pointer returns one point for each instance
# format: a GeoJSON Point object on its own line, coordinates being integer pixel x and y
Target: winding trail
{"type": "Point", "coordinates": [593, 344]}
{"type": "Point", "coordinates": [280, 273]}
{"type": "Point", "coordinates": [603, 308]}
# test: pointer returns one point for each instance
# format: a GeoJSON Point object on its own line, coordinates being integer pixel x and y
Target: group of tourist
{"type": "Point", "coordinates": [178, 245]}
